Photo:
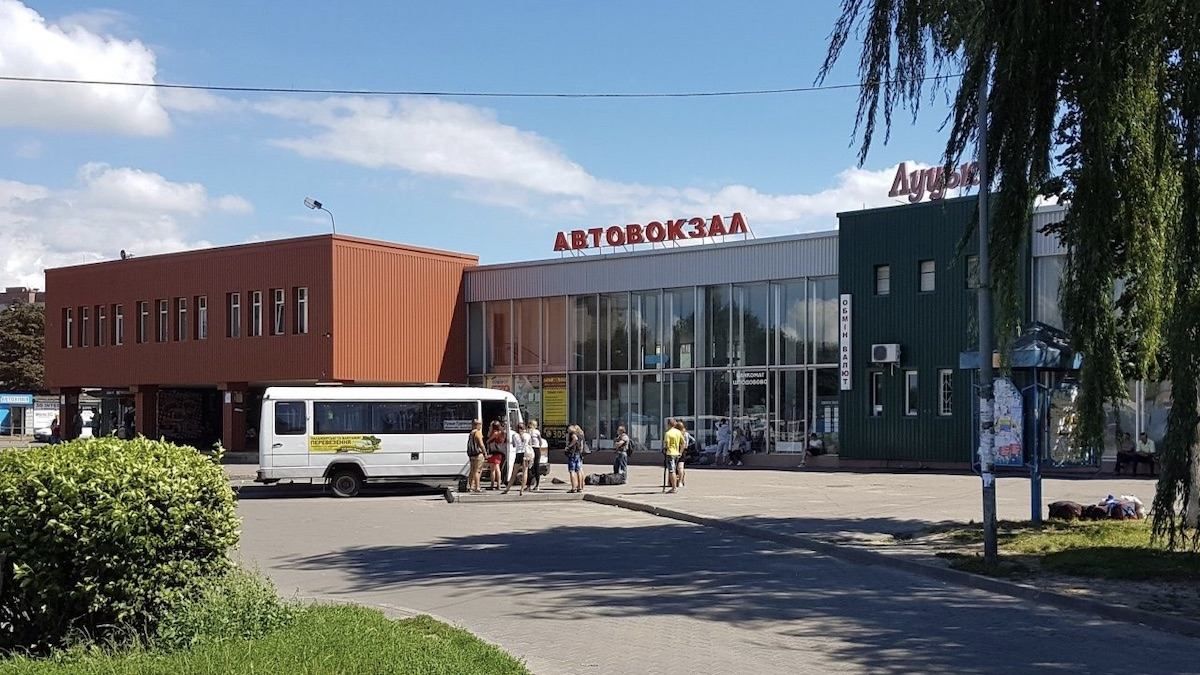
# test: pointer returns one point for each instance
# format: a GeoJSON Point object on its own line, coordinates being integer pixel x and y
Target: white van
{"type": "Point", "coordinates": [351, 435]}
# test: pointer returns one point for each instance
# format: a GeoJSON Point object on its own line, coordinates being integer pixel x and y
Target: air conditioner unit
{"type": "Point", "coordinates": [885, 353]}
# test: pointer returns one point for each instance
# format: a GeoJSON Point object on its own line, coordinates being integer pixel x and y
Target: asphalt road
{"type": "Point", "coordinates": [583, 588]}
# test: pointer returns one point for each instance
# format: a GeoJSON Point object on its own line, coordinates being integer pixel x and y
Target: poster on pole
{"type": "Point", "coordinates": [1009, 424]}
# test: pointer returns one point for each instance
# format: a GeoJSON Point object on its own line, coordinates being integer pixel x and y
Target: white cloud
{"type": "Point", "coordinates": [433, 137]}
{"type": "Point", "coordinates": [108, 209]}
{"type": "Point", "coordinates": [30, 149]}
{"type": "Point", "coordinates": [505, 166]}
{"type": "Point", "coordinates": [75, 48]}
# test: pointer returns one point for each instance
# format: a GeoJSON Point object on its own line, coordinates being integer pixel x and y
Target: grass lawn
{"type": "Point", "coordinates": [323, 639]}
{"type": "Point", "coordinates": [1105, 549]}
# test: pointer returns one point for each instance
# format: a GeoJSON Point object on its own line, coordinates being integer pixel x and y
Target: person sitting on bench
{"type": "Point", "coordinates": [1144, 452]}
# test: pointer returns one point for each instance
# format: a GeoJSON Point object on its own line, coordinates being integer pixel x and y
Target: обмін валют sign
{"type": "Point", "coordinates": [654, 232]}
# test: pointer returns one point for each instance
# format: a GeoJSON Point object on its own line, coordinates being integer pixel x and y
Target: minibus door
{"type": "Point", "coordinates": [289, 433]}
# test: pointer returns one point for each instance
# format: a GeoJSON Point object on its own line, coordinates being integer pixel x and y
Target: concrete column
{"type": "Point", "coordinates": [145, 405]}
{"type": "Point", "coordinates": [68, 408]}
{"type": "Point", "coordinates": [233, 417]}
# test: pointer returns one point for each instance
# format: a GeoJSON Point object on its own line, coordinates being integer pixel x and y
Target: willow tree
{"type": "Point", "coordinates": [1096, 102]}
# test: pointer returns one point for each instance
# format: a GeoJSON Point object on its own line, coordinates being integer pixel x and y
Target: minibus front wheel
{"type": "Point", "coordinates": [345, 481]}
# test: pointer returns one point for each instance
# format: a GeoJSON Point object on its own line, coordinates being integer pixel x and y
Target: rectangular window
{"type": "Point", "coordinates": [554, 329]}
{"type": "Point", "coordinates": [527, 335]}
{"type": "Point", "coordinates": [301, 311]}
{"type": "Point", "coordinates": [341, 418]}
{"type": "Point", "coordinates": [68, 328]}
{"type": "Point", "coordinates": [398, 418]}
{"type": "Point", "coordinates": [876, 393]}
{"type": "Point", "coordinates": [143, 309]}
{"type": "Point", "coordinates": [118, 325]}
{"type": "Point", "coordinates": [945, 392]}
{"type": "Point", "coordinates": [584, 327]}
{"type": "Point", "coordinates": [233, 323]}
{"type": "Point", "coordinates": [181, 319]}
{"type": "Point", "coordinates": [972, 271]}
{"type": "Point", "coordinates": [277, 309]}
{"type": "Point", "coordinates": [84, 324]}
{"type": "Point", "coordinates": [163, 321]}
{"type": "Point", "coordinates": [101, 325]}
{"type": "Point", "coordinates": [256, 317]}
{"type": "Point", "coordinates": [449, 417]}
{"type": "Point", "coordinates": [289, 418]}
{"type": "Point", "coordinates": [883, 279]}
{"type": "Point", "coordinates": [910, 393]}
{"type": "Point", "coordinates": [201, 317]}
{"type": "Point", "coordinates": [928, 271]}
{"type": "Point", "coordinates": [716, 325]}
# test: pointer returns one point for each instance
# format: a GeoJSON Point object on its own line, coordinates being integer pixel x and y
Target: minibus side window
{"type": "Point", "coordinates": [289, 418]}
{"type": "Point", "coordinates": [445, 417]}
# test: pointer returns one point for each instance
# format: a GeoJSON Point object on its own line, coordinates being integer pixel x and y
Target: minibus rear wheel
{"type": "Point", "coordinates": [345, 482]}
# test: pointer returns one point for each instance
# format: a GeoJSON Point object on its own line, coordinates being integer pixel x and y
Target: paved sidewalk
{"type": "Point", "coordinates": [846, 503]}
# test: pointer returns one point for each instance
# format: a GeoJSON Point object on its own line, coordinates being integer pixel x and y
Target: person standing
{"type": "Point", "coordinates": [672, 451]}
{"type": "Point", "coordinates": [475, 449]}
{"type": "Point", "coordinates": [689, 447]}
{"type": "Point", "coordinates": [55, 432]}
{"type": "Point", "coordinates": [496, 441]}
{"type": "Point", "coordinates": [575, 449]}
{"type": "Point", "coordinates": [621, 445]}
{"type": "Point", "coordinates": [723, 442]}
{"type": "Point", "coordinates": [519, 440]}
{"type": "Point", "coordinates": [535, 449]}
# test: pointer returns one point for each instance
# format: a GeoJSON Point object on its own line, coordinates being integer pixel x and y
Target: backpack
{"type": "Point", "coordinates": [473, 450]}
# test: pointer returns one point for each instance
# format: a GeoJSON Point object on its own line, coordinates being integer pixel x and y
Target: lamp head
{"type": "Point", "coordinates": [312, 203]}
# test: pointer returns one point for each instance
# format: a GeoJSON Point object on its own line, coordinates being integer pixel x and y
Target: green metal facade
{"type": "Point", "coordinates": [932, 328]}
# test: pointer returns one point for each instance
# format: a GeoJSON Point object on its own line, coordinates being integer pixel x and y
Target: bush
{"type": "Point", "coordinates": [103, 537]}
{"type": "Point", "coordinates": [238, 605]}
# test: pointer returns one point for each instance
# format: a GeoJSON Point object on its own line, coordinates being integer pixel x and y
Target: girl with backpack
{"type": "Point", "coordinates": [576, 449]}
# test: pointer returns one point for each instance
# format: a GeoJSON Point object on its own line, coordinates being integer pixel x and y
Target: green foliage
{"type": "Point", "coordinates": [1108, 95]}
{"type": "Point", "coordinates": [22, 344]}
{"type": "Point", "coordinates": [237, 606]}
{"type": "Point", "coordinates": [321, 639]}
{"type": "Point", "coordinates": [103, 537]}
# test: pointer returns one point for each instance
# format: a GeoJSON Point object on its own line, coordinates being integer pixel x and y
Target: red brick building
{"type": "Point", "coordinates": [181, 345]}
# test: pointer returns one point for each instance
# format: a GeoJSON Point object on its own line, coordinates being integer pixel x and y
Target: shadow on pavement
{"type": "Point", "coordinates": [880, 620]}
{"type": "Point", "coordinates": [306, 491]}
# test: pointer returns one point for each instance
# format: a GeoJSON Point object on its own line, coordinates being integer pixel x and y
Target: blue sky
{"type": "Point", "coordinates": [87, 171]}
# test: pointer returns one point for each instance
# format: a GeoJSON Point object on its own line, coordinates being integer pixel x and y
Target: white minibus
{"type": "Point", "coordinates": [348, 435]}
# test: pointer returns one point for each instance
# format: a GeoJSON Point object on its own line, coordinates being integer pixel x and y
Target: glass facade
{"type": "Point", "coordinates": [760, 357]}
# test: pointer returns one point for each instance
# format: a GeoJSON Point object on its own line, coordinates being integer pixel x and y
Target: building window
{"type": "Point", "coordinates": [301, 311]}
{"type": "Point", "coordinates": [68, 328]}
{"type": "Point", "coordinates": [234, 324]}
{"type": "Point", "coordinates": [277, 307]}
{"type": "Point", "coordinates": [83, 326]}
{"type": "Point", "coordinates": [101, 325]}
{"type": "Point", "coordinates": [181, 321]}
{"type": "Point", "coordinates": [876, 393]}
{"type": "Point", "coordinates": [928, 271]}
{"type": "Point", "coordinates": [118, 325]}
{"type": "Point", "coordinates": [256, 314]}
{"type": "Point", "coordinates": [972, 271]}
{"type": "Point", "coordinates": [883, 279]}
{"type": "Point", "coordinates": [164, 314]}
{"type": "Point", "coordinates": [910, 393]}
{"type": "Point", "coordinates": [945, 392]}
{"type": "Point", "coordinates": [143, 309]}
{"type": "Point", "coordinates": [201, 317]}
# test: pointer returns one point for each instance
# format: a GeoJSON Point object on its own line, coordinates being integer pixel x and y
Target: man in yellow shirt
{"type": "Point", "coordinates": [672, 449]}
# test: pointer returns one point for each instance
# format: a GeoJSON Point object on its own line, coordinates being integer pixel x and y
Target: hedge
{"type": "Point", "coordinates": [103, 537]}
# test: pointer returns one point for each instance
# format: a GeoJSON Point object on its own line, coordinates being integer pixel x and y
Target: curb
{"type": "Point", "coordinates": [860, 556]}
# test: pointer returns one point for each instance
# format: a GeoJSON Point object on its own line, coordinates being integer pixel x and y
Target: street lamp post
{"type": "Point", "coordinates": [316, 205]}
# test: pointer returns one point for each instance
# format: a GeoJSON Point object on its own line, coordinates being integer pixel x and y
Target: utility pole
{"type": "Point", "coordinates": [986, 393]}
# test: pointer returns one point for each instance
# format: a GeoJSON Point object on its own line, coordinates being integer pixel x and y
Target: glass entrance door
{"type": "Point", "coordinates": [789, 411]}
{"type": "Point", "coordinates": [750, 406]}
